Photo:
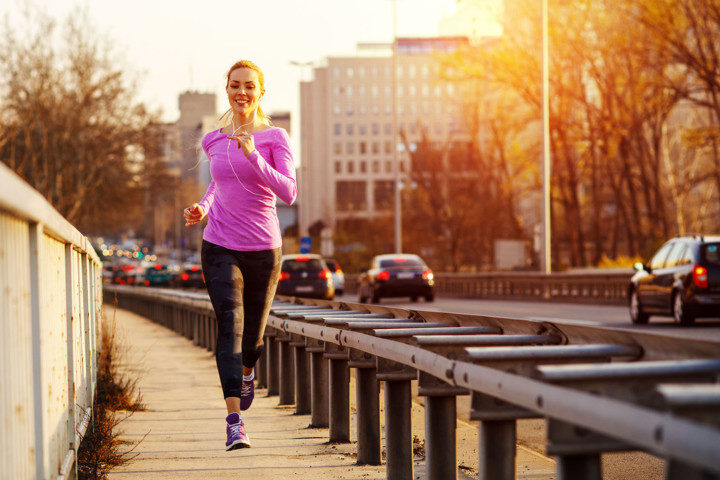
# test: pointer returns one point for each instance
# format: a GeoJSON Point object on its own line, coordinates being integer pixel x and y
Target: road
{"type": "Point", "coordinates": [573, 313]}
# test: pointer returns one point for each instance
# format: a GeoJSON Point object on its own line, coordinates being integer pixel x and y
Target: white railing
{"type": "Point", "coordinates": [50, 300]}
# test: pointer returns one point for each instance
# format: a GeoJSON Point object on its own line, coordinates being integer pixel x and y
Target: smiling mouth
{"type": "Point", "coordinates": [242, 103]}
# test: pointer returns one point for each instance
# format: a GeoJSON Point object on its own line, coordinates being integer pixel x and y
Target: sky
{"type": "Point", "coordinates": [171, 46]}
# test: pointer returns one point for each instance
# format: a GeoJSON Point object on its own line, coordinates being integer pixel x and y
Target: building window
{"type": "Point", "coordinates": [450, 89]}
{"type": "Point", "coordinates": [349, 72]}
{"type": "Point", "coordinates": [388, 147]}
{"type": "Point", "coordinates": [413, 109]}
{"type": "Point", "coordinates": [388, 90]}
{"type": "Point", "coordinates": [349, 110]}
{"type": "Point", "coordinates": [337, 128]}
{"type": "Point", "coordinates": [363, 166]}
{"type": "Point", "coordinates": [337, 109]}
{"type": "Point", "coordinates": [361, 90]}
{"type": "Point", "coordinates": [351, 167]}
{"type": "Point", "coordinates": [376, 166]}
{"type": "Point", "coordinates": [412, 90]}
{"type": "Point", "coordinates": [349, 90]}
{"type": "Point", "coordinates": [388, 166]}
{"type": "Point", "coordinates": [350, 129]}
{"type": "Point", "coordinates": [338, 167]}
{"type": "Point", "coordinates": [384, 194]}
{"type": "Point", "coordinates": [399, 71]}
{"type": "Point", "coordinates": [374, 90]}
{"type": "Point", "coordinates": [336, 72]}
{"type": "Point", "coordinates": [388, 129]}
{"type": "Point", "coordinates": [411, 71]}
{"type": "Point", "coordinates": [375, 110]}
{"type": "Point", "coordinates": [375, 128]}
{"type": "Point", "coordinates": [400, 90]}
{"type": "Point", "coordinates": [438, 91]}
{"type": "Point", "coordinates": [402, 166]}
{"type": "Point", "coordinates": [350, 147]}
{"type": "Point", "coordinates": [362, 129]}
{"type": "Point", "coordinates": [374, 71]}
{"type": "Point", "coordinates": [350, 195]}
{"type": "Point", "coordinates": [386, 71]}
{"type": "Point", "coordinates": [375, 147]}
{"type": "Point", "coordinates": [388, 109]}
{"type": "Point", "coordinates": [426, 108]}
{"type": "Point", "coordinates": [362, 109]}
{"type": "Point", "coordinates": [401, 109]}
{"type": "Point", "coordinates": [361, 72]}
{"type": "Point", "coordinates": [425, 71]}
{"type": "Point", "coordinates": [337, 148]}
{"type": "Point", "coordinates": [425, 90]}
{"type": "Point", "coordinates": [337, 90]}
{"type": "Point", "coordinates": [363, 148]}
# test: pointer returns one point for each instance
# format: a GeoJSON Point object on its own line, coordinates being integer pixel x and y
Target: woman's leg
{"type": "Point", "coordinates": [260, 271]}
{"type": "Point", "coordinates": [224, 281]}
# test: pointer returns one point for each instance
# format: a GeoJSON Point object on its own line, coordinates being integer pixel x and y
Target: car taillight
{"type": "Point", "coordinates": [158, 267]}
{"type": "Point", "coordinates": [284, 276]}
{"type": "Point", "coordinates": [338, 271]}
{"type": "Point", "coordinates": [428, 275]}
{"type": "Point", "coordinates": [700, 277]}
{"type": "Point", "coordinates": [326, 274]}
{"type": "Point", "coordinates": [383, 275]}
{"type": "Point", "coordinates": [194, 268]}
{"type": "Point", "coordinates": [147, 282]}
{"type": "Point", "coordinates": [185, 276]}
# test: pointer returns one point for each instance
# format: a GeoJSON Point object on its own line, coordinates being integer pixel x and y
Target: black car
{"type": "Point", "coordinates": [681, 280]}
{"type": "Point", "coordinates": [396, 275]}
{"type": "Point", "coordinates": [190, 276]}
{"type": "Point", "coordinates": [305, 275]}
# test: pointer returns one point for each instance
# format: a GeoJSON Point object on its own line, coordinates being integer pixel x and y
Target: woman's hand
{"type": "Point", "coordinates": [245, 142]}
{"type": "Point", "coordinates": [193, 214]}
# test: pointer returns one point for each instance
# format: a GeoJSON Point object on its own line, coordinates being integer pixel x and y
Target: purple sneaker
{"type": "Point", "coordinates": [247, 394]}
{"type": "Point", "coordinates": [236, 436]}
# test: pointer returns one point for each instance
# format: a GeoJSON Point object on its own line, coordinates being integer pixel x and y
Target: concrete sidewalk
{"type": "Point", "coordinates": [182, 433]}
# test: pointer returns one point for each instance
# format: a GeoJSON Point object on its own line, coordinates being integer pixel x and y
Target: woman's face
{"type": "Point", "coordinates": [243, 90]}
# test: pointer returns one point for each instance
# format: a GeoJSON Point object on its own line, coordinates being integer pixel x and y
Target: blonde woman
{"type": "Point", "coordinates": [250, 163]}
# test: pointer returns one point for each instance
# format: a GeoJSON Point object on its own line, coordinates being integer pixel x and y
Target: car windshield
{"type": "Point", "coordinates": [401, 262]}
{"type": "Point", "coordinates": [300, 265]}
{"type": "Point", "coordinates": [711, 253]}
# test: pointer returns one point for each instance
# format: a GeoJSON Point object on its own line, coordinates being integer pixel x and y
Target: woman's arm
{"type": "Point", "coordinates": [208, 198]}
{"type": "Point", "coordinates": [281, 179]}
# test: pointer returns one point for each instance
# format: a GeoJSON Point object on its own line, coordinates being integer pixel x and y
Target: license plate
{"type": "Point", "coordinates": [305, 288]}
{"type": "Point", "coordinates": [405, 275]}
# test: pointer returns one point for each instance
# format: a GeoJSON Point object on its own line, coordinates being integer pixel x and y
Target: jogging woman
{"type": "Point", "coordinates": [250, 163]}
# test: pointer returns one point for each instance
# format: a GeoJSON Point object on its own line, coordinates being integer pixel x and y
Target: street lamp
{"type": "Point", "coordinates": [546, 257]}
{"type": "Point", "coordinates": [396, 160]}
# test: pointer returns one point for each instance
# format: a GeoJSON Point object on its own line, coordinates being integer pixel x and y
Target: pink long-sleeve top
{"type": "Point", "coordinates": [241, 204]}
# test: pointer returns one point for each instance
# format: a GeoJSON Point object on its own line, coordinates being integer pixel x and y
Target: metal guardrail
{"type": "Point", "coordinates": [50, 300]}
{"type": "Point", "coordinates": [599, 389]}
{"type": "Point", "coordinates": [597, 287]}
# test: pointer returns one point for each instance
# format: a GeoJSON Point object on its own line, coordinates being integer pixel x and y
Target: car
{"type": "Point", "coordinates": [190, 276]}
{"type": "Point", "coordinates": [337, 274]}
{"type": "Point", "coordinates": [396, 275]}
{"type": "Point", "coordinates": [305, 275]}
{"type": "Point", "coordinates": [158, 275]}
{"type": "Point", "coordinates": [681, 280]}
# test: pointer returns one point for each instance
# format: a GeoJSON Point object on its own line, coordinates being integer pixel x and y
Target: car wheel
{"type": "Point", "coordinates": [339, 292]}
{"type": "Point", "coordinates": [637, 315]}
{"type": "Point", "coordinates": [680, 310]}
{"type": "Point", "coordinates": [429, 297]}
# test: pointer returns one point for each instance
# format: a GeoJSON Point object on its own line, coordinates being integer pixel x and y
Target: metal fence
{"type": "Point", "coordinates": [50, 300]}
{"type": "Point", "coordinates": [597, 287]}
{"type": "Point", "coordinates": [599, 389]}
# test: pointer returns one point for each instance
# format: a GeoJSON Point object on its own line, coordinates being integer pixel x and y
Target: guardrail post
{"type": "Point", "coordinates": [497, 449]}
{"type": "Point", "coordinates": [318, 390]}
{"type": "Point", "coordinates": [273, 364]}
{"type": "Point", "coordinates": [287, 381]}
{"type": "Point", "coordinates": [367, 396]}
{"type": "Point", "coordinates": [339, 401]}
{"type": "Point", "coordinates": [302, 380]}
{"type": "Point", "coordinates": [573, 467]}
{"type": "Point", "coordinates": [440, 426]}
{"type": "Point", "coordinates": [398, 433]}
{"type": "Point", "coordinates": [261, 367]}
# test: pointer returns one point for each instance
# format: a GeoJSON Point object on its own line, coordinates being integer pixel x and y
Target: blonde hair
{"type": "Point", "coordinates": [227, 116]}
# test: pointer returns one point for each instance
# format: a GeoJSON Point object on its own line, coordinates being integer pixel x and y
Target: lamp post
{"type": "Point", "coordinates": [396, 159]}
{"type": "Point", "coordinates": [546, 257]}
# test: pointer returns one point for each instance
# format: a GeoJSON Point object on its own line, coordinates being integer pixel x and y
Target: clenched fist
{"type": "Point", "coordinates": [193, 214]}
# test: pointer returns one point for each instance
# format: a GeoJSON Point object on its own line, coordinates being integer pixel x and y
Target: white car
{"type": "Point", "coordinates": [337, 275]}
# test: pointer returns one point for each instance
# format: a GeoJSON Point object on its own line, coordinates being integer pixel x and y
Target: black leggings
{"type": "Point", "coordinates": [241, 286]}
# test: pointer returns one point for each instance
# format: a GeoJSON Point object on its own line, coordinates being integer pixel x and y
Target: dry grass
{"type": "Point", "coordinates": [99, 450]}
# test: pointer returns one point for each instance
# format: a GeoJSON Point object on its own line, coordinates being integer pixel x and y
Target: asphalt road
{"type": "Point", "coordinates": [581, 314]}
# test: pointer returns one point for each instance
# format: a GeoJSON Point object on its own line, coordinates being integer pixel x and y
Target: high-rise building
{"type": "Point", "coordinates": [353, 113]}
{"type": "Point", "coordinates": [194, 107]}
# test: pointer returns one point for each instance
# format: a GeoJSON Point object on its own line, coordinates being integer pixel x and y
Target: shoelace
{"type": "Point", "coordinates": [246, 388]}
{"type": "Point", "coordinates": [235, 429]}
